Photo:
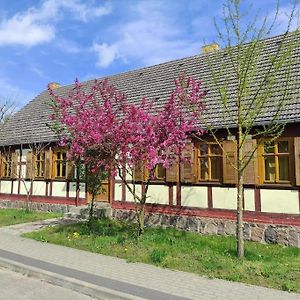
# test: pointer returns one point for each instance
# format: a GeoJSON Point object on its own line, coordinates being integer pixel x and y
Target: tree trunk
{"type": "Point", "coordinates": [240, 198]}
{"type": "Point", "coordinates": [91, 214]}
{"type": "Point", "coordinates": [141, 219]}
{"type": "Point", "coordinates": [240, 225]}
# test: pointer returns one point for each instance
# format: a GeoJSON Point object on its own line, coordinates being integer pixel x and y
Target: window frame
{"type": "Point", "coordinates": [209, 157]}
{"type": "Point", "coordinates": [291, 163]}
{"type": "Point", "coordinates": [55, 159]}
{"type": "Point", "coordinates": [42, 162]}
{"type": "Point", "coordinates": [4, 163]}
{"type": "Point", "coordinates": [156, 172]}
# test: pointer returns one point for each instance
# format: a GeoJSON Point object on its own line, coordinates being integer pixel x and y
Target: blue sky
{"type": "Point", "coordinates": [42, 41]}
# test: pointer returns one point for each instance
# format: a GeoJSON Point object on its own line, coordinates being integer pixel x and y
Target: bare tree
{"type": "Point", "coordinates": [252, 83]}
{"type": "Point", "coordinates": [6, 110]}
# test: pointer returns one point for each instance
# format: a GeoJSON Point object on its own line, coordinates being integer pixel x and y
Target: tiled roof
{"type": "Point", "coordinates": [156, 82]}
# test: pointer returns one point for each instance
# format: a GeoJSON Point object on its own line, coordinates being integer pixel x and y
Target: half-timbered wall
{"type": "Point", "coordinates": [207, 180]}
{"type": "Point", "coordinates": [42, 184]}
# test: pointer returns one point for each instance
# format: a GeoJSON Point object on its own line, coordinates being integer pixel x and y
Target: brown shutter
{"type": "Point", "coordinates": [138, 172]}
{"type": "Point", "coordinates": [229, 162]}
{"type": "Point", "coordinates": [29, 165]}
{"type": "Point", "coordinates": [48, 164]}
{"type": "Point", "coordinates": [70, 170]}
{"type": "Point", "coordinates": [187, 168]}
{"type": "Point", "coordinates": [172, 172]}
{"type": "Point", "coordinates": [297, 159]}
{"type": "Point", "coordinates": [251, 170]}
{"type": "Point", "coordinates": [14, 165]}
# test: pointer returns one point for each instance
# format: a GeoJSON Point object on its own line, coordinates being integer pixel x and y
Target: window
{"type": "Point", "coordinates": [209, 162]}
{"type": "Point", "coordinates": [276, 161]}
{"type": "Point", "coordinates": [7, 165]}
{"type": "Point", "coordinates": [39, 168]}
{"type": "Point", "coordinates": [60, 164]}
{"type": "Point", "coordinates": [159, 172]}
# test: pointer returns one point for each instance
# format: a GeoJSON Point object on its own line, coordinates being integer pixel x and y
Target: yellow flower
{"type": "Point", "coordinates": [76, 235]}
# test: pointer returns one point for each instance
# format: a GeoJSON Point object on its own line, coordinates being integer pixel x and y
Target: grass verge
{"type": "Point", "coordinates": [17, 216]}
{"type": "Point", "coordinates": [272, 266]}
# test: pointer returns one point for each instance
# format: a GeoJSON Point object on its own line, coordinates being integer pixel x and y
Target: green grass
{"type": "Point", "coordinates": [17, 216]}
{"type": "Point", "coordinates": [214, 256]}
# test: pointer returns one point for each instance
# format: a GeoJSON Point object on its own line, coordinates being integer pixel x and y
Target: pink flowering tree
{"type": "Point", "coordinates": [109, 133]}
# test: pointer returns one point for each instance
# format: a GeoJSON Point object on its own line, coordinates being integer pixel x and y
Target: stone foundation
{"type": "Point", "coordinates": [47, 207]}
{"type": "Point", "coordinates": [264, 233]}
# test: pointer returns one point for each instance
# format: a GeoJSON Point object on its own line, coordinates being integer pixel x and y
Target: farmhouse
{"type": "Point", "coordinates": [203, 199]}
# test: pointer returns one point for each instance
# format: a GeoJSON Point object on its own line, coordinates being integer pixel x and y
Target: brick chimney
{"type": "Point", "coordinates": [53, 85]}
{"type": "Point", "coordinates": [210, 48]}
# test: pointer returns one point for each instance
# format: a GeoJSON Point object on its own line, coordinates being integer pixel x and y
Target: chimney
{"type": "Point", "coordinates": [53, 85]}
{"type": "Point", "coordinates": [210, 48]}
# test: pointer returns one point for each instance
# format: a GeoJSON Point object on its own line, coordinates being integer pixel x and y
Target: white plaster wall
{"type": "Point", "coordinates": [16, 186]}
{"type": "Point", "coordinates": [279, 201]}
{"type": "Point", "coordinates": [249, 199]}
{"type": "Point", "coordinates": [195, 196]}
{"type": "Point", "coordinates": [59, 189]}
{"type": "Point", "coordinates": [158, 194]}
{"type": "Point", "coordinates": [23, 171]}
{"type": "Point", "coordinates": [72, 190]}
{"type": "Point", "coordinates": [5, 187]}
{"type": "Point", "coordinates": [224, 198]}
{"type": "Point", "coordinates": [129, 196]}
{"type": "Point", "coordinates": [128, 177]}
{"type": "Point", "coordinates": [39, 188]}
{"type": "Point", "coordinates": [82, 190]}
{"type": "Point", "coordinates": [23, 186]}
{"type": "Point", "coordinates": [118, 192]}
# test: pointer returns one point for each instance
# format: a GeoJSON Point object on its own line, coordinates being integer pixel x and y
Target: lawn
{"type": "Point", "coordinates": [213, 256]}
{"type": "Point", "coordinates": [17, 216]}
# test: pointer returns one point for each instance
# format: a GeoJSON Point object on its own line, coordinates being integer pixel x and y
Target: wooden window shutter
{"type": "Point", "coordinates": [48, 164]}
{"type": "Point", "coordinates": [172, 172]}
{"type": "Point", "coordinates": [70, 170]}
{"type": "Point", "coordinates": [251, 170]}
{"type": "Point", "coordinates": [187, 168]}
{"type": "Point", "coordinates": [138, 172]}
{"type": "Point", "coordinates": [14, 165]}
{"type": "Point", "coordinates": [297, 159]}
{"type": "Point", "coordinates": [29, 165]}
{"type": "Point", "coordinates": [229, 162]}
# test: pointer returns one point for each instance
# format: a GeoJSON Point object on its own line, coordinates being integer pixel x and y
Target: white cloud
{"type": "Point", "coordinates": [37, 25]}
{"type": "Point", "coordinates": [151, 36]}
{"type": "Point", "coordinates": [106, 54]}
{"type": "Point", "coordinates": [82, 11]}
{"type": "Point", "coordinates": [25, 30]}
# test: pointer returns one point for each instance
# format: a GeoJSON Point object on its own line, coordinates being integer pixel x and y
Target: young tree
{"type": "Point", "coordinates": [6, 110]}
{"type": "Point", "coordinates": [107, 132]}
{"type": "Point", "coordinates": [251, 85]}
